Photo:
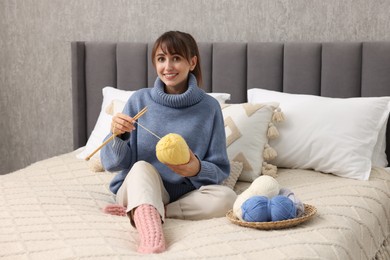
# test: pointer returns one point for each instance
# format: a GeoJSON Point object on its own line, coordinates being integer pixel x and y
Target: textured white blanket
{"type": "Point", "coordinates": [52, 210]}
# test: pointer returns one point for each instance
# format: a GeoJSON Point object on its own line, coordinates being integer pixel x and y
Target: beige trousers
{"type": "Point", "coordinates": [143, 185]}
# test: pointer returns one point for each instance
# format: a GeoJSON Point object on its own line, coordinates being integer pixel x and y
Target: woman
{"type": "Point", "coordinates": [147, 190]}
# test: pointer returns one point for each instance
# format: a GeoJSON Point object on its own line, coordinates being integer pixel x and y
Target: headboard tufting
{"type": "Point", "coordinates": [332, 69]}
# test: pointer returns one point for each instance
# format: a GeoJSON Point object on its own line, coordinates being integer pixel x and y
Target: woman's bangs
{"type": "Point", "coordinates": [170, 46]}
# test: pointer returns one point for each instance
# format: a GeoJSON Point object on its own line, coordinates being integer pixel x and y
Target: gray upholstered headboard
{"type": "Point", "coordinates": [332, 69]}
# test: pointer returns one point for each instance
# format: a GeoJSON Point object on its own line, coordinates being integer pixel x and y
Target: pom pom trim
{"type": "Point", "coordinates": [269, 153]}
{"type": "Point", "coordinates": [272, 132]}
{"type": "Point", "coordinates": [278, 116]}
{"type": "Point", "coordinates": [269, 169]}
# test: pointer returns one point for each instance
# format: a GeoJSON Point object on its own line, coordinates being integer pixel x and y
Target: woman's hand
{"type": "Point", "coordinates": [122, 123]}
{"type": "Point", "coordinates": [189, 169]}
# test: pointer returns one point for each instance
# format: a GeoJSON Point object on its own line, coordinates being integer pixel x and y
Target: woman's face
{"type": "Point", "coordinates": [173, 70]}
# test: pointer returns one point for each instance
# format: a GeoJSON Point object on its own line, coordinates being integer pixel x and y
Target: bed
{"type": "Point", "coordinates": [52, 208]}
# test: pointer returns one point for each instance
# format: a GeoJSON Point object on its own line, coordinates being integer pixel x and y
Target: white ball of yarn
{"type": "Point", "coordinates": [264, 185]}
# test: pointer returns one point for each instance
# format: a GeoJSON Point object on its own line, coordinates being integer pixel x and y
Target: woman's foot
{"type": "Point", "coordinates": [148, 223]}
{"type": "Point", "coordinates": [115, 209]}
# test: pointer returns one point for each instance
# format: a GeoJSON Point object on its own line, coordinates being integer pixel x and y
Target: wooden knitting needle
{"type": "Point", "coordinates": [138, 115]}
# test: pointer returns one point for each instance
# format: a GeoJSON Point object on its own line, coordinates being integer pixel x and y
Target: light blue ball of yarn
{"type": "Point", "coordinates": [255, 209]}
{"type": "Point", "coordinates": [282, 208]}
{"type": "Point", "coordinates": [262, 209]}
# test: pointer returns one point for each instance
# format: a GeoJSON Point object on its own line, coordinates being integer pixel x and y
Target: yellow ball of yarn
{"type": "Point", "coordinates": [173, 149]}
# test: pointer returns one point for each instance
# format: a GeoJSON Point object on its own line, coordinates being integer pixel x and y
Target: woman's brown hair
{"type": "Point", "coordinates": [175, 42]}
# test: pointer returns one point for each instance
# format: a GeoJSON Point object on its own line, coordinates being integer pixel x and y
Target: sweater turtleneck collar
{"type": "Point", "coordinates": [190, 97]}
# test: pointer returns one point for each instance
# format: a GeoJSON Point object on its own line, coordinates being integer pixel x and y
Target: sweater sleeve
{"type": "Point", "coordinates": [214, 166]}
{"type": "Point", "coordinates": [114, 155]}
{"type": "Point", "coordinates": [117, 155]}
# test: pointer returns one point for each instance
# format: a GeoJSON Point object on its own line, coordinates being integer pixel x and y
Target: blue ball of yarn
{"type": "Point", "coordinates": [282, 208]}
{"type": "Point", "coordinates": [255, 209]}
{"type": "Point", "coordinates": [262, 209]}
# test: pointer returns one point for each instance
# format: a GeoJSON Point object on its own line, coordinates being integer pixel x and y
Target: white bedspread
{"type": "Point", "coordinates": [52, 210]}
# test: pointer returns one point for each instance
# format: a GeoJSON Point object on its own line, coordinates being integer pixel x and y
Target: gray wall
{"type": "Point", "coordinates": [35, 36]}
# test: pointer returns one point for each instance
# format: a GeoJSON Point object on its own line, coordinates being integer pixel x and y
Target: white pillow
{"type": "Point", "coordinates": [331, 135]}
{"type": "Point", "coordinates": [221, 97]}
{"type": "Point", "coordinates": [379, 157]}
{"type": "Point", "coordinates": [247, 128]}
{"type": "Point", "coordinates": [103, 123]}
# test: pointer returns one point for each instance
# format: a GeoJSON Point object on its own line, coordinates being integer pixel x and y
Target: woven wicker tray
{"type": "Point", "coordinates": [310, 211]}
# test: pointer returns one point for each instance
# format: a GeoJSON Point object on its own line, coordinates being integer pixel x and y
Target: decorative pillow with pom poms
{"type": "Point", "coordinates": [248, 128]}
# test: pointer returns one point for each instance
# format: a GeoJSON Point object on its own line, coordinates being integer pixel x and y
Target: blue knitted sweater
{"type": "Point", "coordinates": [196, 116]}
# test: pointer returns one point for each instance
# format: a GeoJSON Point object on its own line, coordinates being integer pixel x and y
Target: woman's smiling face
{"type": "Point", "coordinates": [173, 70]}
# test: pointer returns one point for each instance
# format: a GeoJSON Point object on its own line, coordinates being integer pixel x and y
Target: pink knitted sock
{"type": "Point", "coordinates": [115, 209]}
{"type": "Point", "coordinates": [148, 223]}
